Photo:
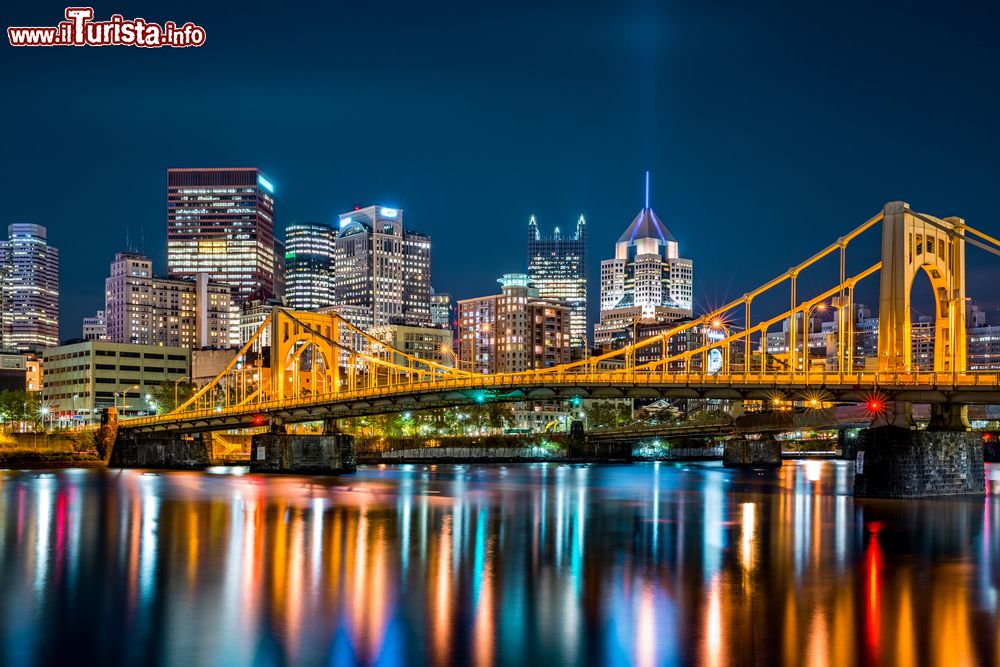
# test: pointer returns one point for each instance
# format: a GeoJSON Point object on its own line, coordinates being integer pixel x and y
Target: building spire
{"type": "Point", "coordinates": [647, 189]}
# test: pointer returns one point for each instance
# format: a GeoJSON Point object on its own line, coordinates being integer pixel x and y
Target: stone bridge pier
{"type": "Point", "coordinates": [751, 450]}
{"type": "Point", "coordinates": [282, 452]}
{"type": "Point", "coordinates": [142, 450]}
{"type": "Point", "coordinates": [895, 460]}
{"type": "Point", "coordinates": [276, 451]}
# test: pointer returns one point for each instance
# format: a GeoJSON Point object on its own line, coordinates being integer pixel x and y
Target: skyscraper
{"type": "Point", "coordinates": [382, 267]}
{"type": "Point", "coordinates": [309, 275]}
{"type": "Point", "coordinates": [221, 222]}
{"type": "Point", "coordinates": [279, 268]}
{"type": "Point", "coordinates": [647, 280]}
{"type": "Point", "coordinates": [557, 268]}
{"type": "Point", "coordinates": [29, 298]}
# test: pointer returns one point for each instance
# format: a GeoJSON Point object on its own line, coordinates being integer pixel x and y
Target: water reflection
{"type": "Point", "coordinates": [650, 564]}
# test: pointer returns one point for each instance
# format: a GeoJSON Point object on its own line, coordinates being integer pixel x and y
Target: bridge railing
{"type": "Point", "coordinates": [518, 385]}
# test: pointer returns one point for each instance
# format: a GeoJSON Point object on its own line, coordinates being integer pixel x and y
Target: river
{"type": "Point", "coordinates": [550, 564]}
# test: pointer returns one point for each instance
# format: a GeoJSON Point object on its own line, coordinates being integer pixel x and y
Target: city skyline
{"type": "Point", "coordinates": [69, 325]}
{"type": "Point", "coordinates": [561, 333]}
{"type": "Point", "coordinates": [731, 142]}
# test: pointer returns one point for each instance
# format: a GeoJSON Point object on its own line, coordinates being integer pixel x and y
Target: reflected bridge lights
{"type": "Point", "coordinates": [748, 529]}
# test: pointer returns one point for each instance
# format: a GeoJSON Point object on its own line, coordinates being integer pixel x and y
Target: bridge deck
{"type": "Point", "coordinates": [917, 387]}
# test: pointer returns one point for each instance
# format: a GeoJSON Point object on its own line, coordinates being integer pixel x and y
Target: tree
{"type": "Point", "coordinates": [499, 415]}
{"type": "Point", "coordinates": [609, 414]}
{"type": "Point", "coordinates": [163, 395]}
{"type": "Point", "coordinates": [19, 406]}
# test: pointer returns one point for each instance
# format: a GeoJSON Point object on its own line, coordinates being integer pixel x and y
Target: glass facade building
{"type": "Point", "coordinates": [221, 222]}
{"type": "Point", "coordinates": [557, 268]}
{"type": "Point", "coordinates": [383, 268]}
{"type": "Point", "coordinates": [309, 273]}
{"type": "Point", "coordinates": [442, 310]}
{"type": "Point", "coordinates": [29, 289]}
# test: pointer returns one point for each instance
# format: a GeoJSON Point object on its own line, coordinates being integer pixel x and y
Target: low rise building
{"type": "Point", "coordinates": [81, 379]}
{"type": "Point", "coordinates": [32, 373]}
{"type": "Point", "coordinates": [430, 343]}
{"type": "Point", "coordinates": [13, 372]}
{"type": "Point", "coordinates": [208, 363]}
{"type": "Point", "coordinates": [95, 327]}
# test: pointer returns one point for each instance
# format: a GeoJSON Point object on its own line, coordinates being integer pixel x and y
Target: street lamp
{"type": "Point", "coordinates": [125, 398]}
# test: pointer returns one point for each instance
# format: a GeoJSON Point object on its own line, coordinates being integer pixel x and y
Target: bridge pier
{"type": "Point", "coordinates": [160, 451]}
{"type": "Point", "coordinates": [328, 454]}
{"type": "Point", "coordinates": [743, 452]}
{"type": "Point", "coordinates": [896, 462]}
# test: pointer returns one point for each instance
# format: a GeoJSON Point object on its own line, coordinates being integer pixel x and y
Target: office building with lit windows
{"type": "Point", "coordinates": [430, 343]}
{"type": "Point", "coordinates": [512, 331]}
{"type": "Point", "coordinates": [83, 378]}
{"type": "Point", "coordinates": [382, 267]}
{"type": "Point", "coordinates": [29, 289]}
{"type": "Point", "coordinates": [646, 281]}
{"type": "Point", "coordinates": [557, 268]}
{"type": "Point", "coordinates": [516, 331]}
{"type": "Point", "coordinates": [142, 309]}
{"type": "Point", "coordinates": [220, 222]}
{"type": "Point", "coordinates": [309, 275]}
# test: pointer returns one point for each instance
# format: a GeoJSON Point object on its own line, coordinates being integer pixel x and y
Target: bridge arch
{"type": "Point", "coordinates": [914, 243]}
{"type": "Point", "coordinates": [291, 339]}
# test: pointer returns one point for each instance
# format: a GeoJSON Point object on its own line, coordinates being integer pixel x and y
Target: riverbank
{"type": "Point", "coordinates": [521, 448]}
{"type": "Point", "coordinates": [63, 449]}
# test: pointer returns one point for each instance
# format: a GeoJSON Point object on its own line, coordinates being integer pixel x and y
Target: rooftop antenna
{"type": "Point", "coordinates": [647, 189]}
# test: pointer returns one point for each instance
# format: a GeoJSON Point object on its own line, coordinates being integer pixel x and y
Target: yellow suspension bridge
{"type": "Point", "coordinates": [305, 366]}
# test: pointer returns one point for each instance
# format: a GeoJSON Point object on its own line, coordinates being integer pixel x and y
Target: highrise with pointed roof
{"type": "Point", "coordinates": [557, 268]}
{"type": "Point", "coordinates": [647, 280]}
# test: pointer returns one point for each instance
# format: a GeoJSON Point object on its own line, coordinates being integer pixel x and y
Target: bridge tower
{"type": "Point", "coordinates": [894, 459]}
{"type": "Point", "coordinates": [911, 243]}
{"type": "Point", "coordinates": [306, 341]}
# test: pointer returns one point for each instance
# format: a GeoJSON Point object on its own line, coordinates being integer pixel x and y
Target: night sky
{"type": "Point", "coordinates": [770, 129]}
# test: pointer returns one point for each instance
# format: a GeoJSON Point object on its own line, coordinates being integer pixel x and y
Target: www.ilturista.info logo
{"type": "Point", "coordinates": [79, 29]}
